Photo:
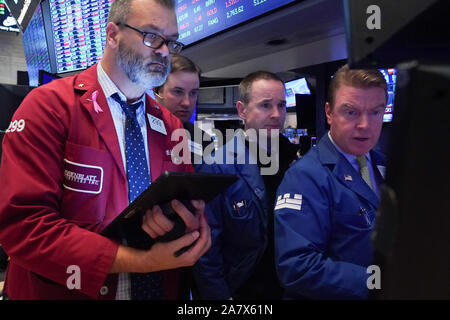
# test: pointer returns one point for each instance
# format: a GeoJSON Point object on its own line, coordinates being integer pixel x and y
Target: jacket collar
{"type": "Point", "coordinates": [91, 91]}
{"type": "Point", "coordinates": [246, 164]}
{"type": "Point", "coordinates": [344, 171]}
{"type": "Point", "coordinates": [87, 83]}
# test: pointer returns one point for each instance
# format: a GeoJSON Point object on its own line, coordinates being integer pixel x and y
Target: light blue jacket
{"type": "Point", "coordinates": [324, 218]}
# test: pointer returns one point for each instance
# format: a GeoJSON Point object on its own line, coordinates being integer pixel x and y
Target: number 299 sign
{"type": "Point", "coordinates": [16, 126]}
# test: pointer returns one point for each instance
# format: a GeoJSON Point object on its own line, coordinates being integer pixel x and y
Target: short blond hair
{"type": "Point", "coordinates": [358, 78]}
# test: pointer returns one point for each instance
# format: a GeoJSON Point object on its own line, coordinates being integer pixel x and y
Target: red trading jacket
{"type": "Point", "coordinates": [49, 218]}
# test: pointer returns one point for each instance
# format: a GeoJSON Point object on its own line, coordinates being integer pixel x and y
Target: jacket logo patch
{"type": "Point", "coordinates": [82, 177]}
{"type": "Point", "coordinates": [289, 202]}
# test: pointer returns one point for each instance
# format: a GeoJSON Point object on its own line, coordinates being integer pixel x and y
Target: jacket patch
{"type": "Point", "coordinates": [237, 205]}
{"type": "Point", "coordinates": [82, 177]}
{"type": "Point", "coordinates": [289, 202]}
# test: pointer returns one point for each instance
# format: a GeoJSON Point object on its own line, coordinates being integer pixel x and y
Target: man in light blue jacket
{"type": "Point", "coordinates": [240, 262]}
{"type": "Point", "coordinates": [326, 203]}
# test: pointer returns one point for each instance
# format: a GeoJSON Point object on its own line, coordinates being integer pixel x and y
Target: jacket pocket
{"type": "Point", "coordinates": [242, 209]}
{"type": "Point", "coordinates": [359, 218]}
{"type": "Point", "coordinates": [85, 183]}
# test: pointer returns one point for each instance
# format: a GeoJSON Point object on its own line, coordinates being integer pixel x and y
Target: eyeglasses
{"type": "Point", "coordinates": [155, 41]}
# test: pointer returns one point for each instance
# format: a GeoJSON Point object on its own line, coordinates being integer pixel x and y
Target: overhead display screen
{"type": "Point", "coordinates": [22, 11]}
{"type": "Point", "coordinates": [78, 32]}
{"type": "Point", "coordinates": [198, 19]}
{"type": "Point", "coordinates": [7, 22]}
{"type": "Point", "coordinates": [75, 30]}
{"type": "Point", "coordinates": [35, 47]}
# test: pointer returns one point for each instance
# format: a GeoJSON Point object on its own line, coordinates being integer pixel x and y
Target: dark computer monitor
{"type": "Point", "coordinates": [46, 77]}
{"type": "Point", "coordinates": [413, 223]}
{"type": "Point", "coordinates": [306, 112]}
{"type": "Point", "coordinates": [306, 119]}
{"type": "Point", "coordinates": [11, 98]}
{"type": "Point", "coordinates": [383, 33]}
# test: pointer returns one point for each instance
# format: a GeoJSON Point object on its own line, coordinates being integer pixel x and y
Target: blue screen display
{"type": "Point", "coordinates": [390, 75]}
{"type": "Point", "coordinates": [79, 32]}
{"type": "Point", "coordinates": [297, 86]}
{"type": "Point", "coordinates": [35, 47]}
{"type": "Point", "coordinates": [198, 19]}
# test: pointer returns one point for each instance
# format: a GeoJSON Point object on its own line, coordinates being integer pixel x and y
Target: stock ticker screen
{"type": "Point", "coordinates": [79, 32]}
{"type": "Point", "coordinates": [198, 19]}
{"type": "Point", "coordinates": [35, 47]}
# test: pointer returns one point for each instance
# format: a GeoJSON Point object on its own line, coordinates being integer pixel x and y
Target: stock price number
{"type": "Point", "coordinates": [235, 11]}
{"type": "Point", "coordinates": [258, 2]}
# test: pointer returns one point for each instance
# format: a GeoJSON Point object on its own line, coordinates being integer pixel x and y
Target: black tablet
{"type": "Point", "coordinates": [183, 186]}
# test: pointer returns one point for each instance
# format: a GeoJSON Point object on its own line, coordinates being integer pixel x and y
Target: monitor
{"type": "Point", "coordinates": [46, 77]}
{"type": "Point", "coordinates": [75, 31]}
{"type": "Point", "coordinates": [390, 75]}
{"type": "Point", "coordinates": [22, 11]}
{"type": "Point", "coordinates": [413, 222]}
{"type": "Point", "coordinates": [194, 116]}
{"type": "Point", "coordinates": [383, 33]}
{"type": "Point", "coordinates": [35, 47]}
{"type": "Point", "coordinates": [199, 19]}
{"type": "Point", "coordinates": [78, 34]}
{"type": "Point", "coordinates": [294, 134]}
{"type": "Point", "coordinates": [293, 87]}
{"type": "Point", "coordinates": [7, 22]}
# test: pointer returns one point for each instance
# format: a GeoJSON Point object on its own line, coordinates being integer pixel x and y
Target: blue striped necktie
{"type": "Point", "coordinates": [149, 285]}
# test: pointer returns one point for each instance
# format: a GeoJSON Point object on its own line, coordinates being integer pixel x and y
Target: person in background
{"type": "Point", "coordinates": [240, 262]}
{"type": "Point", "coordinates": [179, 94]}
{"type": "Point", "coordinates": [326, 203]}
{"type": "Point", "coordinates": [85, 147]}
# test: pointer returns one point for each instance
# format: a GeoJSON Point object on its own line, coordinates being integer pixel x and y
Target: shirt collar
{"type": "Point", "coordinates": [108, 86]}
{"type": "Point", "coordinates": [350, 157]}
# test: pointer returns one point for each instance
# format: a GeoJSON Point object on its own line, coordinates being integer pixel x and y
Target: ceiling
{"type": "Point", "coordinates": [313, 30]}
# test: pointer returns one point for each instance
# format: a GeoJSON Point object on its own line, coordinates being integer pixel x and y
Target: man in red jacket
{"type": "Point", "coordinates": [64, 170]}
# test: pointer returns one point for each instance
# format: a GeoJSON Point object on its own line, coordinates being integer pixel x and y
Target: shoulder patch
{"type": "Point", "coordinates": [290, 202]}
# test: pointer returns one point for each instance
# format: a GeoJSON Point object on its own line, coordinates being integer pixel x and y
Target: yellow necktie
{"type": "Point", "coordinates": [364, 169]}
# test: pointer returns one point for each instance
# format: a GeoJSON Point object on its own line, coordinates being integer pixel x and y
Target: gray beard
{"type": "Point", "coordinates": [138, 71]}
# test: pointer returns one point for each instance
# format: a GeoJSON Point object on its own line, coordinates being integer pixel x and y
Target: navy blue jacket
{"type": "Point", "coordinates": [324, 217]}
{"type": "Point", "coordinates": [239, 225]}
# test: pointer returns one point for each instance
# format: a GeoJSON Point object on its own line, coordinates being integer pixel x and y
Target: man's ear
{"type": "Point", "coordinates": [242, 110]}
{"type": "Point", "coordinates": [112, 32]}
{"type": "Point", "coordinates": [328, 112]}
